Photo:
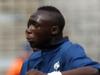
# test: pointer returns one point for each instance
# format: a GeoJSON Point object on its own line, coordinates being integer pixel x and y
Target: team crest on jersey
{"type": "Point", "coordinates": [57, 65]}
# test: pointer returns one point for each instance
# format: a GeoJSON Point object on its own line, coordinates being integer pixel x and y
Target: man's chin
{"type": "Point", "coordinates": [33, 44]}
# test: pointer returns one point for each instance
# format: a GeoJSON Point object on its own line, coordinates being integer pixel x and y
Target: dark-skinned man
{"type": "Point", "coordinates": [52, 53]}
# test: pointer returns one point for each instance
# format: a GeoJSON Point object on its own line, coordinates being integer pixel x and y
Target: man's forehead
{"type": "Point", "coordinates": [41, 15]}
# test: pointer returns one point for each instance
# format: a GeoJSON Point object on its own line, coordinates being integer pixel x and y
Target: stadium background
{"type": "Point", "coordinates": [82, 23]}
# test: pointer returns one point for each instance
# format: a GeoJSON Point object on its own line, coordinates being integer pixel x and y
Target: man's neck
{"type": "Point", "coordinates": [53, 43]}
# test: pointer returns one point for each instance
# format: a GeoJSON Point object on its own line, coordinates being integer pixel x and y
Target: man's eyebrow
{"type": "Point", "coordinates": [31, 21]}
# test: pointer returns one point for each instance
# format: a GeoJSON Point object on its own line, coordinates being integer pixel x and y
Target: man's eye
{"type": "Point", "coordinates": [34, 26]}
{"type": "Point", "coordinates": [37, 26]}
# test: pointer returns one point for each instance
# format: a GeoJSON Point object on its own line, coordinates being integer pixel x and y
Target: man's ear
{"type": "Point", "coordinates": [55, 30]}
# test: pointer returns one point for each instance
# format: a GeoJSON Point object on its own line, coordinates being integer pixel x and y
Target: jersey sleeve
{"type": "Point", "coordinates": [75, 57]}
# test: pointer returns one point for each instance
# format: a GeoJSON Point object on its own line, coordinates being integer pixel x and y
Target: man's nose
{"type": "Point", "coordinates": [29, 33]}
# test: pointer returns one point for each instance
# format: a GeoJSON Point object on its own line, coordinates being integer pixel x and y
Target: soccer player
{"type": "Point", "coordinates": [53, 54]}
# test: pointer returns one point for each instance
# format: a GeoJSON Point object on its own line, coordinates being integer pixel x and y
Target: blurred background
{"type": "Point", "coordinates": [82, 25]}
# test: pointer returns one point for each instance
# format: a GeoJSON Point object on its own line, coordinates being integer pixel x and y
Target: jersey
{"type": "Point", "coordinates": [63, 57]}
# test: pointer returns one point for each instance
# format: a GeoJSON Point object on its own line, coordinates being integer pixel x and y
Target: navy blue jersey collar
{"type": "Point", "coordinates": [35, 55]}
{"type": "Point", "coordinates": [56, 45]}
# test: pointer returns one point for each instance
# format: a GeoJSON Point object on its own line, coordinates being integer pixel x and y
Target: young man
{"type": "Point", "coordinates": [53, 54]}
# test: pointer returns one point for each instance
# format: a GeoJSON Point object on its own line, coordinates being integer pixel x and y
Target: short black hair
{"type": "Point", "coordinates": [59, 19]}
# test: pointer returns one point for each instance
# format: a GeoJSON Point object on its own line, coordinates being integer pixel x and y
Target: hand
{"type": "Point", "coordinates": [35, 72]}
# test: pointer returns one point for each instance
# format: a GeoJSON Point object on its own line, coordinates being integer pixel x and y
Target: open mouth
{"type": "Point", "coordinates": [30, 39]}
